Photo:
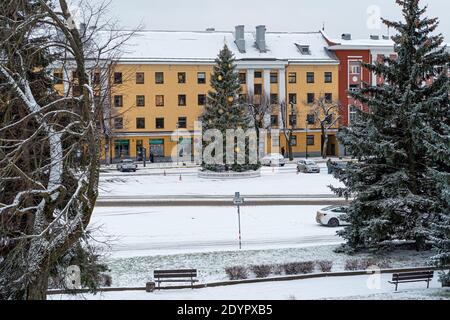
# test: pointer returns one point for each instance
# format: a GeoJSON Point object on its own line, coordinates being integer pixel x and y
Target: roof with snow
{"type": "Point", "coordinates": [204, 46]}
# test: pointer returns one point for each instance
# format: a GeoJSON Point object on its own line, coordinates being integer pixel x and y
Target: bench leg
{"type": "Point", "coordinates": [428, 284]}
{"type": "Point", "coordinates": [396, 286]}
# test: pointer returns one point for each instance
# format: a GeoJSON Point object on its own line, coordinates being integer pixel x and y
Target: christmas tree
{"type": "Point", "coordinates": [402, 142]}
{"type": "Point", "coordinates": [225, 110]}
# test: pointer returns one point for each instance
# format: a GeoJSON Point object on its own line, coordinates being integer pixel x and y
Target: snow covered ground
{"type": "Point", "coordinates": [356, 287]}
{"type": "Point", "coordinates": [171, 230]}
{"type": "Point", "coordinates": [284, 181]}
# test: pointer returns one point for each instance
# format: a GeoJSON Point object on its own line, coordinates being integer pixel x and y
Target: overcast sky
{"type": "Point", "coordinates": [339, 16]}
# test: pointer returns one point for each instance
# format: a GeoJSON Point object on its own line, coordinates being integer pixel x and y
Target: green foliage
{"type": "Point", "coordinates": [401, 183]}
{"type": "Point", "coordinates": [225, 108]}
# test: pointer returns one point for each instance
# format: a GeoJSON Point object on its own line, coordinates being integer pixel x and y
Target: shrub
{"type": "Point", "coordinates": [299, 268]}
{"type": "Point", "coordinates": [351, 265]}
{"type": "Point", "coordinates": [106, 280]}
{"type": "Point", "coordinates": [237, 273]}
{"type": "Point", "coordinates": [262, 271]}
{"type": "Point", "coordinates": [278, 269]}
{"type": "Point", "coordinates": [365, 264]}
{"type": "Point", "coordinates": [325, 265]}
{"type": "Point", "coordinates": [384, 264]}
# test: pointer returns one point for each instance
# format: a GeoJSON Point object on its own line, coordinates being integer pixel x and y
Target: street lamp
{"type": "Point", "coordinates": [306, 139]}
{"type": "Point", "coordinates": [178, 143]}
{"type": "Point", "coordinates": [238, 201]}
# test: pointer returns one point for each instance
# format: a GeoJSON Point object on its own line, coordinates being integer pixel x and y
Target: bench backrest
{"type": "Point", "coordinates": [420, 275]}
{"type": "Point", "coordinates": [168, 274]}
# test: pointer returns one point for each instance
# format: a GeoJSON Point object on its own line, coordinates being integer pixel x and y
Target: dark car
{"type": "Point", "coordinates": [336, 167]}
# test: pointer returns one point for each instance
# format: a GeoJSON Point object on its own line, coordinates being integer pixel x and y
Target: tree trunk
{"type": "Point", "coordinates": [37, 289]}
{"type": "Point", "coordinates": [291, 155]}
{"type": "Point", "coordinates": [325, 143]}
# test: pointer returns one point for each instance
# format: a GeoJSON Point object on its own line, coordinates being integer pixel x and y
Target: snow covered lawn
{"type": "Point", "coordinates": [281, 182]}
{"type": "Point", "coordinates": [356, 287]}
{"type": "Point", "coordinates": [172, 230]}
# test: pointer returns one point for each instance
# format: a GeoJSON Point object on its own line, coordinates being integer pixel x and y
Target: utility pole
{"type": "Point", "coordinates": [238, 201]}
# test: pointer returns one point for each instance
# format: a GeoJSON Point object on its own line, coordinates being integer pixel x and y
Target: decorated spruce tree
{"type": "Point", "coordinates": [225, 110]}
{"type": "Point", "coordinates": [402, 142]}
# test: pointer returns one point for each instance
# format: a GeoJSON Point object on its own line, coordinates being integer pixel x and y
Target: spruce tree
{"type": "Point", "coordinates": [402, 142]}
{"type": "Point", "coordinates": [225, 109]}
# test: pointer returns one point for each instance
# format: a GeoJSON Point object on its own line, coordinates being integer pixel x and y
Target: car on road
{"type": "Point", "coordinates": [273, 159]}
{"type": "Point", "coordinates": [308, 166]}
{"type": "Point", "coordinates": [333, 216]}
{"type": "Point", "coordinates": [337, 167]}
{"type": "Point", "coordinates": [127, 166]}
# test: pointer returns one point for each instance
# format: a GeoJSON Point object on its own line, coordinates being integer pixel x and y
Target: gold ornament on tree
{"type": "Point", "coordinates": [220, 78]}
{"type": "Point", "coordinates": [230, 99]}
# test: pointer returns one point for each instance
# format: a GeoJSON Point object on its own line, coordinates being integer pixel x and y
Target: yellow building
{"type": "Point", "coordinates": [161, 84]}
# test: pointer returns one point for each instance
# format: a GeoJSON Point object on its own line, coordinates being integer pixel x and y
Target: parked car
{"type": "Point", "coordinates": [127, 165]}
{"type": "Point", "coordinates": [274, 159]}
{"type": "Point", "coordinates": [336, 166]}
{"type": "Point", "coordinates": [307, 166]}
{"type": "Point", "coordinates": [333, 216]}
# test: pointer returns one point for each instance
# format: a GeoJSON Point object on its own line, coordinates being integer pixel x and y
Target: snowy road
{"type": "Point", "coordinates": [171, 230]}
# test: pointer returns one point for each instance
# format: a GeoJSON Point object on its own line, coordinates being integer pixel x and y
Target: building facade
{"type": "Point", "coordinates": [161, 85]}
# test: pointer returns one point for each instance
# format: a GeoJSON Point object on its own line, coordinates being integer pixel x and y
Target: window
{"type": "Point", "coordinates": [355, 68]}
{"type": "Point", "coordinates": [328, 77]}
{"type": "Point", "coordinates": [242, 77]}
{"type": "Point", "coordinates": [293, 120]}
{"type": "Point", "coordinates": [118, 101]}
{"type": "Point", "coordinates": [159, 123]}
{"type": "Point", "coordinates": [273, 98]}
{"type": "Point", "coordinates": [310, 140]}
{"type": "Point", "coordinates": [118, 79]}
{"type": "Point", "coordinates": [354, 88]}
{"type": "Point", "coordinates": [181, 100]}
{"type": "Point", "coordinates": [118, 123]}
{"type": "Point", "coordinates": [310, 98]}
{"type": "Point", "coordinates": [292, 77]}
{"type": "Point", "coordinates": [202, 99]}
{"type": "Point", "coordinates": [293, 98]}
{"type": "Point", "coordinates": [258, 89]}
{"type": "Point", "coordinates": [274, 120]}
{"type": "Point", "coordinates": [201, 78]}
{"type": "Point", "coordinates": [293, 141]}
{"type": "Point", "coordinates": [273, 77]}
{"type": "Point", "coordinates": [311, 119]}
{"type": "Point", "coordinates": [328, 97]}
{"type": "Point", "coordinates": [352, 113]}
{"type": "Point", "coordinates": [181, 77]}
{"type": "Point", "coordinates": [258, 74]}
{"type": "Point", "coordinates": [140, 101]}
{"type": "Point", "coordinates": [140, 123]}
{"type": "Point", "coordinates": [140, 78]}
{"type": "Point", "coordinates": [160, 101]}
{"type": "Point", "coordinates": [57, 78]}
{"type": "Point", "coordinates": [310, 77]}
{"type": "Point", "coordinates": [182, 122]}
{"type": "Point", "coordinates": [159, 77]}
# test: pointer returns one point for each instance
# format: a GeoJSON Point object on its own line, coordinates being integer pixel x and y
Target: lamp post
{"type": "Point", "coordinates": [293, 124]}
{"type": "Point", "coordinates": [238, 201]}
{"type": "Point", "coordinates": [178, 144]}
{"type": "Point", "coordinates": [306, 139]}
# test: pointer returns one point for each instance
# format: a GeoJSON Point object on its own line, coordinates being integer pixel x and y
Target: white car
{"type": "Point", "coordinates": [332, 216]}
{"type": "Point", "coordinates": [127, 165]}
{"type": "Point", "coordinates": [307, 166]}
{"type": "Point", "coordinates": [273, 159]}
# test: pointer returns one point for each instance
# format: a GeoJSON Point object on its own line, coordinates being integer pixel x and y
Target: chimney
{"type": "Point", "coordinates": [261, 38]}
{"type": "Point", "coordinates": [346, 36]}
{"type": "Point", "coordinates": [240, 38]}
{"type": "Point", "coordinates": [374, 37]}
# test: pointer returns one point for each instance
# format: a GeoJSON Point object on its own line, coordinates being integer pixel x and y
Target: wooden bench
{"type": "Point", "coordinates": [420, 276]}
{"type": "Point", "coordinates": [183, 275]}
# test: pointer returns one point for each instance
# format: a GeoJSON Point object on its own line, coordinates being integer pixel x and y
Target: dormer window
{"type": "Point", "coordinates": [303, 49]}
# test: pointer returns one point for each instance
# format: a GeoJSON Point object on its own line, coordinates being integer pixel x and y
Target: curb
{"type": "Point", "coordinates": [249, 281]}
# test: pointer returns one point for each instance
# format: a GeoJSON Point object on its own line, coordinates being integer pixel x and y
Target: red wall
{"type": "Point", "coordinates": [344, 56]}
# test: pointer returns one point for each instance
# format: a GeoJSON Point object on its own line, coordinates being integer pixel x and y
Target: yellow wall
{"type": "Point", "coordinates": [171, 111]}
